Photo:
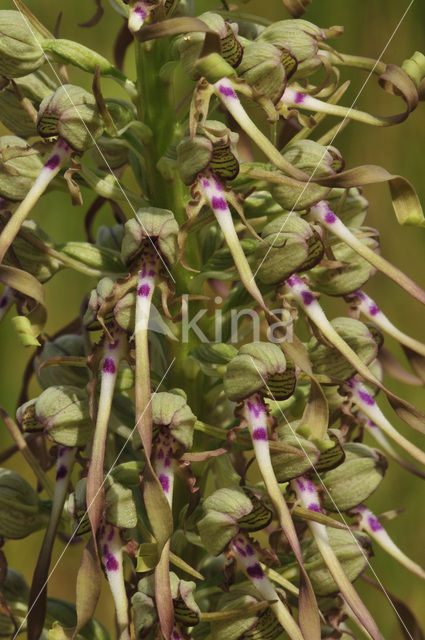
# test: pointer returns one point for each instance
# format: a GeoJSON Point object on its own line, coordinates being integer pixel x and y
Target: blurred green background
{"type": "Point", "coordinates": [368, 28]}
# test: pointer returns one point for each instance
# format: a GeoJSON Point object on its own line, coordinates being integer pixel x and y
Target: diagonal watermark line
{"type": "Point", "coordinates": [294, 433]}
{"type": "Point", "coordinates": [306, 184]}
{"type": "Point", "coordinates": [108, 166]}
{"type": "Point", "coordinates": [94, 498]}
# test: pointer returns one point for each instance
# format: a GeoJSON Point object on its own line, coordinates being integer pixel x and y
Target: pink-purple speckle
{"type": "Point", "coordinates": [314, 507]}
{"type": "Point", "coordinates": [366, 397]}
{"type": "Point", "coordinates": [307, 297]}
{"type": "Point", "coordinates": [255, 571]}
{"type": "Point", "coordinates": [61, 472]}
{"type": "Point", "coordinates": [227, 92]}
{"type": "Point", "coordinates": [299, 97]}
{"type": "Point", "coordinates": [255, 409]}
{"type": "Point", "coordinates": [152, 273]}
{"type": "Point", "coordinates": [3, 302]}
{"type": "Point", "coordinates": [167, 462]}
{"type": "Point", "coordinates": [300, 484]}
{"type": "Point", "coordinates": [160, 454]}
{"type": "Point", "coordinates": [176, 635]}
{"type": "Point", "coordinates": [374, 523]}
{"type": "Point", "coordinates": [249, 550]}
{"type": "Point", "coordinates": [260, 434]}
{"type": "Point", "coordinates": [108, 366]}
{"type": "Point", "coordinates": [111, 563]}
{"type": "Point", "coordinates": [144, 290]}
{"type": "Point", "coordinates": [165, 482]}
{"type": "Point", "coordinates": [219, 204]}
{"type": "Point", "coordinates": [330, 217]}
{"type": "Point", "coordinates": [53, 162]}
{"type": "Point", "coordinates": [373, 309]}
{"type": "Point", "coordinates": [140, 12]}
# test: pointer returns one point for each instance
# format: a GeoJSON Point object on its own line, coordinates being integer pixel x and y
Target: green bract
{"type": "Point", "coordinates": [20, 46]}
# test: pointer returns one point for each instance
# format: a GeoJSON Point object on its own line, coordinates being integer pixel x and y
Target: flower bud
{"type": "Point", "coordinates": [256, 364]}
{"type": "Point", "coordinates": [348, 276]}
{"type": "Point", "coordinates": [128, 473]}
{"type": "Point", "coordinates": [93, 256]}
{"type": "Point", "coordinates": [15, 592]}
{"type": "Point", "coordinates": [171, 410]}
{"type": "Point", "coordinates": [298, 36]}
{"type": "Point", "coordinates": [328, 361]}
{"type": "Point", "coordinates": [110, 237]}
{"type": "Point", "coordinates": [289, 465]}
{"type": "Point", "coordinates": [415, 67]}
{"type": "Point", "coordinates": [266, 68]}
{"type": "Point", "coordinates": [109, 153]}
{"type": "Point", "coordinates": [66, 345]}
{"type": "Point", "coordinates": [259, 625]}
{"type": "Point", "coordinates": [63, 412]}
{"type": "Point", "coordinates": [20, 47]}
{"type": "Point", "coordinates": [354, 206]}
{"type": "Point", "coordinates": [345, 545]}
{"type": "Point", "coordinates": [157, 224]}
{"type": "Point", "coordinates": [190, 46]}
{"type": "Point", "coordinates": [70, 113]}
{"type": "Point", "coordinates": [226, 512]}
{"type": "Point", "coordinates": [214, 148]}
{"type": "Point", "coordinates": [310, 157]}
{"type": "Point", "coordinates": [34, 87]}
{"type": "Point", "coordinates": [186, 611]}
{"type": "Point", "coordinates": [144, 609]}
{"type": "Point", "coordinates": [30, 258]}
{"type": "Point", "coordinates": [291, 244]}
{"type": "Point", "coordinates": [18, 173]}
{"type": "Point", "coordinates": [21, 510]}
{"type": "Point", "coordinates": [353, 481]}
{"type": "Point", "coordinates": [260, 203]}
{"type": "Point", "coordinates": [97, 297]}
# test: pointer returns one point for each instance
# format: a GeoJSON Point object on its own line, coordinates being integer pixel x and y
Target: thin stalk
{"type": "Point", "coordinates": [38, 592]}
{"type": "Point", "coordinates": [308, 497]}
{"type": "Point", "coordinates": [226, 93]}
{"type": "Point", "coordinates": [112, 546]}
{"type": "Point", "coordinates": [370, 523]}
{"type": "Point", "coordinates": [95, 492]}
{"type": "Point", "coordinates": [294, 98]}
{"type": "Point", "coordinates": [215, 195]}
{"type": "Point", "coordinates": [249, 563]}
{"type": "Point", "coordinates": [23, 447]}
{"type": "Point", "coordinates": [323, 214]}
{"type": "Point", "coordinates": [365, 402]}
{"type": "Point", "coordinates": [370, 309]}
{"type": "Point", "coordinates": [357, 62]}
{"type": "Point", "coordinates": [377, 434]}
{"type": "Point", "coordinates": [255, 414]}
{"type": "Point", "coordinates": [58, 157]}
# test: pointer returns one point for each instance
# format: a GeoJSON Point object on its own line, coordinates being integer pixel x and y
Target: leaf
{"type": "Point", "coordinates": [321, 518]}
{"type": "Point", "coordinates": [181, 564]}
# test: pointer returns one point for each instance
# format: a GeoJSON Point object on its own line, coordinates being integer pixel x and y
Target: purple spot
{"type": "Point", "coordinates": [167, 462]}
{"type": "Point", "coordinates": [205, 184]}
{"type": "Point", "coordinates": [152, 273]}
{"type": "Point", "coordinates": [255, 409]}
{"type": "Point", "coordinates": [374, 523]}
{"type": "Point", "coordinates": [62, 451]}
{"type": "Point", "coordinates": [227, 92]}
{"type": "Point", "coordinates": [170, 451]}
{"type": "Point", "coordinates": [360, 295]}
{"type": "Point", "coordinates": [111, 534]}
{"type": "Point", "coordinates": [366, 397]}
{"type": "Point", "coordinates": [310, 486]}
{"type": "Point", "coordinates": [249, 550]}
{"type": "Point", "coordinates": [53, 162]}
{"type": "Point", "coordinates": [294, 280]}
{"type": "Point", "coordinates": [61, 472]}
{"type": "Point", "coordinates": [105, 550]}
{"type": "Point", "coordinates": [330, 217]}
{"type": "Point", "coordinates": [108, 366]}
{"type": "Point", "coordinates": [160, 454]}
{"type": "Point", "coordinates": [165, 482]}
{"type": "Point", "coordinates": [176, 635]}
{"type": "Point", "coordinates": [111, 563]}
{"type": "Point", "coordinates": [114, 345]}
{"type": "Point", "coordinates": [255, 571]}
{"type": "Point", "coordinates": [300, 484]}
{"type": "Point", "coordinates": [373, 309]}
{"type": "Point", "coordinates": [299, 97]}
{"type": "Point", "coordinates": [219, 204]}
{"type": "Point", "coordinates": [314, 507]}
{"type": "Point", "coordinates": [240, 550]}
{"type": "Point", "coordinates": [3, 302]}
{"type": "Point", "coordinates": [307, 297]}
{"type": "Point", "coordinates": [139, 11]}
{"type": "Point", "coordinates": [260, 434]}
{"type": "Point", "coordinates": [144, 290]}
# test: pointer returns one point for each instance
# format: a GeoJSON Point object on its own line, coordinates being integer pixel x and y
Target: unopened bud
{"type": "Point", "coordinates": [63, 411]}
{"type": "Point", "coordinates": [21, 510]}
{"type": "Point", "coordinates": [290, 465]}
{"type": "Point", "coordinates": [171, 410]}
{"type": "Point", "coordinates": [19, 168]}
{"type": "Point", "coordinates": [20, 47]}
{"type": "Point", "coordinates": [266, 68]}
{"type": "Point", "coordinates": [299, 36]}
{"type": "Point", "coordinates": [151, 225]}
{"type": "Point", "coordinates": [35, 86]}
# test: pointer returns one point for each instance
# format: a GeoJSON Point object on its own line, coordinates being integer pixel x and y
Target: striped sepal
{"type": "Point", "coordinates": [47, 126]}
{"type": "Point", "coordinates": [231, 48]}
{"type": "Point", "coordinates": [183, 614]}
{"type": "Point", "coordinates": [289, 61]}
{"type": "Point", "coordinates": [260, 516]}
{"type": "Point", "coordinates": [267, 628]}
{"type": "Point", "coordinates": [281, 385]}
{"type": "Point", "coordinates": [224, 163]}
{"type": "Point", "coordinates": [332, 457]}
